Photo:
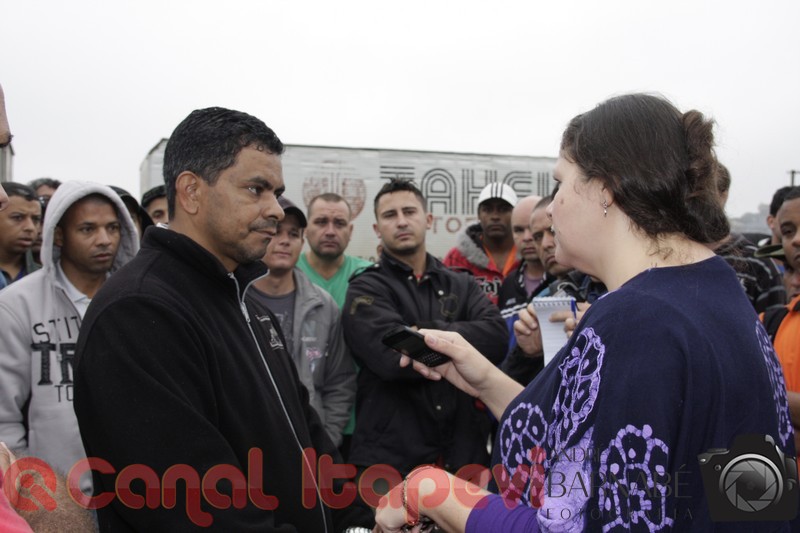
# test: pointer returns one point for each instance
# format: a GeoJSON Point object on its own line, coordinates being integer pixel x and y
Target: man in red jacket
{"type": "Point", "coordinates": [487, 249]}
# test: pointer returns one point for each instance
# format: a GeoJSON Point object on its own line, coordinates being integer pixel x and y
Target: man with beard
{"type": "Point", "coordinates": [328, 233]}
{"type": "Point", "coordinates": [402, 419]}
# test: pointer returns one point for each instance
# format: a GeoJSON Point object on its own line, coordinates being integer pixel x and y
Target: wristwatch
{"type": "Point", "coordinates": [358, 530]}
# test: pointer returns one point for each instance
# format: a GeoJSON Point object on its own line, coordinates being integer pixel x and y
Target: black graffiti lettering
{"type": "Point", "coordinates": [77, 322]}
{"type": "Point", "coordinates": [66, 358]}
{"type": "Point", "coordinates": [44, 348]}
{"type": "Point", "coordinates": [67, 392]}
{"type": "Point", "coordinates": [41, 331]}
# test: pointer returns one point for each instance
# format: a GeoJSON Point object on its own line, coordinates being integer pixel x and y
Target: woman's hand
{"type": "Point", "coordinates": [467, 370]}
{"type": "Point", "coordinates": [391, 516]}
{"type": "Point", "coordinates": [430, 495]}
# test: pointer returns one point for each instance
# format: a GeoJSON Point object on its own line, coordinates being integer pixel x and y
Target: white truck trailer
{"type": "Point", "coordinates": [450, 181]}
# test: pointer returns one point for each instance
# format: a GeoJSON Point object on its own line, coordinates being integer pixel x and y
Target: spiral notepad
{"type": "Point", "coordinates": [553, 336]}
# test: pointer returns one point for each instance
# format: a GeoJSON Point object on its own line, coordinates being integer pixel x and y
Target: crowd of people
{"type": "Point", "coordinates": [190, 348]}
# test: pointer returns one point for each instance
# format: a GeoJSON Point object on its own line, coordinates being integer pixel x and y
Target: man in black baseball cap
{"type": "Point", "coordinates": [139, 215]}
{"type": "Point", "coordinates": [309, 320]}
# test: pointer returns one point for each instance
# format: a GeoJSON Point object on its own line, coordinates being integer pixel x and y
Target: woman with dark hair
{"type": "Point", "coordinates": [671, 364]}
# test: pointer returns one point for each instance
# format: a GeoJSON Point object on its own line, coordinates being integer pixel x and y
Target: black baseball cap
{"type": "Point", "coordinates": [289, 207]}
{"type": "Point", "coordinates": [133, 206]}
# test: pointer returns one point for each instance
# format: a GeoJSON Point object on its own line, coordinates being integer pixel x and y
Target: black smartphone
{"type": "Point", "coordinates": [406, 340]}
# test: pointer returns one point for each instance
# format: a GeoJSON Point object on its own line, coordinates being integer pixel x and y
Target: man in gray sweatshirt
{"type": "Point", "coordinates": [87, 235]}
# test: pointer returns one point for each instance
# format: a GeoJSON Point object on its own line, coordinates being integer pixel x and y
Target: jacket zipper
{"type": "Point", "coordinates": [246, 315]}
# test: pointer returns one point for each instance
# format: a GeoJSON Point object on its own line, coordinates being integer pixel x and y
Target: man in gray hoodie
{"type": "Point", "coordinates": [87, 235]}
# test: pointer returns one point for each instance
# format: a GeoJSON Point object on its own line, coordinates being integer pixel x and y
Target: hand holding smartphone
{"type": "Point", "coordinates": [412, 343]}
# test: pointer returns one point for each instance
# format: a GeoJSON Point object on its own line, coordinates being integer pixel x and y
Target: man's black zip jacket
{"type": "Point", "coordinates": [403, 419]}
{"type": "Point", "coordinates": [168, 373]}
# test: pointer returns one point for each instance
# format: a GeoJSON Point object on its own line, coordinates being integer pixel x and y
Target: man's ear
{"type": "Point", "coordinates": [375, 229]}
{"type": "Point", "coordinates": [58, 237]}
{"type": "Point", "coordinates": [188, 191]}
{"type": "Point", "coordinates": [429, 221]}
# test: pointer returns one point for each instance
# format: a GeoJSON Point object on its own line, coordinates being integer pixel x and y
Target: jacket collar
{"type": "Point", "coordinates": [305, 289]}
{"type": "Point", "coordinates": [188, 251]}
{"type": "Point", "coordinates": [469, 242]}
{"type": "Point", "coordinates": [432, 265]}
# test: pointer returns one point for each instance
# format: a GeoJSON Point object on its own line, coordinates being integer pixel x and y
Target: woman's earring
{"type": "Point", "coordinates": [605, 208]}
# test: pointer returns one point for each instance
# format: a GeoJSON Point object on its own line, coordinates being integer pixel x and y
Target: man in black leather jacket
{"type": "Point", "coordinates": [402, 419]}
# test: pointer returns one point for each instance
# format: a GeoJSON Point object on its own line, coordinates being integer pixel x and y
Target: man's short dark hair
{"type": "Point", "coordinates": [792, 194]}
{"type": "Point", "coordinates": [44, 182]}
{"type": "Point", "coordinates": [18, 189]}
{"type": "Point", "coordinates": [779, 197]}
{"type": "Point", "coordinates": [208, 141]}
{"type": "Point", "coordinates": [159, 191]}
{"type": "Point", "coordinates": [397, 185]}
{"type": "Point", "coordinates": [330, 197]}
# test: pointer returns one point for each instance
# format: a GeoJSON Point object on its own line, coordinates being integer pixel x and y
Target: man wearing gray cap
{"type": "Point", "coordinates": [486, 249]}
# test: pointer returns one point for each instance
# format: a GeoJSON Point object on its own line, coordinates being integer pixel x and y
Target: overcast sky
{"type": "Point", "coordinates": [92, 86]}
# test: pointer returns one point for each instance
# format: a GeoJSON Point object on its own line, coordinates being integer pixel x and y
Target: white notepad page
{"type": "Point", "coordinates": [553, 336]}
